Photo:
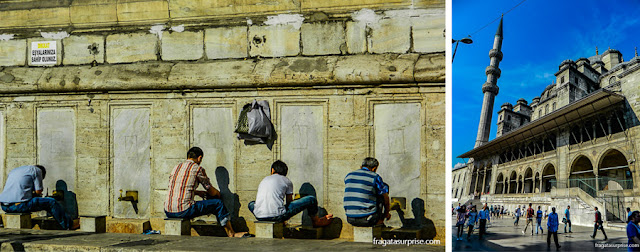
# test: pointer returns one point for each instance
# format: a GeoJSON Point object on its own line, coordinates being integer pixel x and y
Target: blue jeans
{"type": "Point", "coordinates": [204, 207]}
{"type": "Point", "coordinates": [539, 225]}
{"type": "Point", "coordinates": [38, 204]}
{"type": "Point", "coordinates": [307, 202]}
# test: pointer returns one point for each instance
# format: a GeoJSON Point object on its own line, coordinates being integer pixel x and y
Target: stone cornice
{"type": "Point", "coordinates": [374, 70]}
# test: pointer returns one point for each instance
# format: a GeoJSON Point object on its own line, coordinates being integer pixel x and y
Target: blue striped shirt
{"type": "Point", "coordinates": [361, 189]}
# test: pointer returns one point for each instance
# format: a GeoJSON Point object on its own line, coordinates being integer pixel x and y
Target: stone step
{"type": "Point", "coordinates": [129, 226]}
{"type": "Point", "coordinates": [621, 226]}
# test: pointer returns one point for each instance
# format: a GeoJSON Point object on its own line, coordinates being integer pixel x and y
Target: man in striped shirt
{"type": "Point", "coordinates": [365, 196]}
{"type": "Point", "coordinates": [183, 181]}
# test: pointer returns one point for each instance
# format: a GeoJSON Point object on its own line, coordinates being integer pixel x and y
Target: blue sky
{"type": "Point", "coordinates": [538, 36]}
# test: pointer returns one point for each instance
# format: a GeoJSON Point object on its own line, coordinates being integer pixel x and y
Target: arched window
{"type": "Point", "coordinates": [546, 109]}
{"type": "Point", "coordinates": [553, 107]}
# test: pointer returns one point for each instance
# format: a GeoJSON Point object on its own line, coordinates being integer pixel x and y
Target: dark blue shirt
{"type": "Point", "coordinates": [632, 231]}
{"type": "Point", "coordinates": [552, 222]}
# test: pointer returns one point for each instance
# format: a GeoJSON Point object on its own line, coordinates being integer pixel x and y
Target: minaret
{"type": "Point", "coordinates": [490, 89]}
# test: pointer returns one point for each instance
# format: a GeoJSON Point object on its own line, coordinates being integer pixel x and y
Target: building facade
{"type": "Point", "coordinates": [110, 95]}
{"type": "Point", "coordinates": [575, 144]}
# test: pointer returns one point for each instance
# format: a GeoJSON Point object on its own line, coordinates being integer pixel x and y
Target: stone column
{"type": "Point", "coordinates": [508, 183]}
{"type": "Point", "coordinates": [541, 180]}
{"type": "Point", "coordinates": [484, 179]}
{"type": "Point", "coordinates": [504, 187]}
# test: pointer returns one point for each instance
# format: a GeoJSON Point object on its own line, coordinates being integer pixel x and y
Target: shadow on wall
{"type": "Point", "coordinates": [330, 232]}
{"type": "Point", "coordinates": [69, 202]}
{"type": "Point", "coordinates": [231, 200]}
{"type": "Point", "coordinates": [420, 221]}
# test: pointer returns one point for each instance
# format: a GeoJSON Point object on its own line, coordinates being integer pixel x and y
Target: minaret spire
{"type": "Point", "coordinates": [490, 88]}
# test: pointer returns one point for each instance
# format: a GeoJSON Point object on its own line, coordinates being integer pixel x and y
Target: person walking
{"type": "Point", "coordinates": [539, 221]}
{"type": "Point", "coordinates": [567, 216]}
{"type": "Point", "coordinates": [460, 219]}
{"type": "Point", "coordinates": [529, 215]}
{"type": "Point", "coordinates": [598, 225]}
{"type": "Point", "coordinates": [633, 231]}
{"type": "Point", "coordinates": [472, 218]}
{"type": "Point", "coordinates": [552, 228]}
{"type": "Point", "coordinates": [517, 214]}
{"type": "Point", "coordinates": [483, 216]}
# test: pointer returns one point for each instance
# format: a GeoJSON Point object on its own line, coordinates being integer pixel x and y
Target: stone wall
{"type": "Point", "coordinates": [135, 84]}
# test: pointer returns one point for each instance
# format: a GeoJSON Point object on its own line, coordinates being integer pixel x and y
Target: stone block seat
{"type": "Point", "coordinates": [177, 226]}
{"type": "Point", "coordinates": [269, 229]}
{"type": "Point", "coordinates": [404, 234]}
{"type": "Point", "coordinates": [367, 234]}
{"type": "Point", "coordinates": [94, 224]}
{"type": "Point", "coordinates": [18, 220]}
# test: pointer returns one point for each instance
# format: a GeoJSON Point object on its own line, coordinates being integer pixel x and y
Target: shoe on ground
{"type": "Point", "coordinates": [558, 247]}
{"type": "Point", "coordinates": [591, 236]}
{"type": "Point", "coordinates": [522, 231]}
{"type": "Point", "coordinates": [605, 238]}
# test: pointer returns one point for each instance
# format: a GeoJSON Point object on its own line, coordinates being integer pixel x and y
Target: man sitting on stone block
{"type": "Point", "coordinates": [272, 193]}
{"type": "Point", "coordinates": [23, 194]}
{"type": "Point", "coordinates": [366, 196]}
{"type": "Point", "coordinates": [183, 181]}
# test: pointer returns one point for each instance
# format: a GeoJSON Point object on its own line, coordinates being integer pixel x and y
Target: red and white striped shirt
{"type": "Point", "coordinates": [183, 181]}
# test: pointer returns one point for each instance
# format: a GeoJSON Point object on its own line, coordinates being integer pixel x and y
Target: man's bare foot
{"type": "Point", "coordinates": [238, 234]}
{"type": "Point", "coordinates": [324, 221]}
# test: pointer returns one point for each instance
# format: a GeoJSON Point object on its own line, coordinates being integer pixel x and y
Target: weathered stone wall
{"type": "Point", "coordinates": [136, 84]}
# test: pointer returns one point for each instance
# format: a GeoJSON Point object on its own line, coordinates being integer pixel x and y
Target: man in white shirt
{"type": "Point", "coordinates": [270, 200]}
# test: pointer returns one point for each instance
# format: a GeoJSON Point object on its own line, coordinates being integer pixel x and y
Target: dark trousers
{"type": "Point", "coordinates": [555, 238]}
{"type": "Point", "coordinates": [483, 228]}
{"type": "Point", "coordinates": [470, 231]}
{"type": "Point", "coordinates": [565, 225]}
{"type": "Point", "coordinates": [517, 220]}
{"type": "Point", "coordinates": [596, 227]}
{"type": "Point", "coordinates": [460, 230]}
{"type": "Point", "coordinates": [38, 204]}
{"type": "Point", "coordinates": [371, 220]}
